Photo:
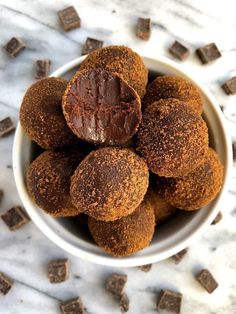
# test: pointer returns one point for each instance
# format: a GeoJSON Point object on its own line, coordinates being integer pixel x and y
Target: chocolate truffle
{"type": "Point", "coordinates": [174, 87]}
{"type": "Point", "coordinates": [196, 189]}
{"type": "Point", "coordinates": [162, 209]}
{"type": "Point", "coordinates": [109, 183]}
{"type": "Point", "coordinates": [172, 138]}
{"type": "Point", "coordinates": [101, 108]}
{"type": "Point", "coordinates": [127, 235]}
{"type": "Point", "coordinates": [41, 114]}
{"type": "Point", "coordinates": [121, 60]}
{"type": "Point", "coordinates": [48, 181]}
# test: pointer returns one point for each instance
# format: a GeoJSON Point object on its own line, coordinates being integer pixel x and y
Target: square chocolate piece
{"type": "Point", "coordinates": [6, 126]}
{"type": "Point", "coordinates": [58, 270]}
{"type": "Point", "coordinates": [42, 68]}
{"type": "Point", "coordinates": [234, 150]}
{"type": "Point", "coordinates": [115, 284]}
{"type": "Point", "coordinates": [170, 301]}
{"type": "Point", "coordinates": [179, 51]}
{"type": "Point", "coordinates": [179, 256]}
{"type": "Point", "coordinates": [143, 29]}
{"type": "Point", "coordinates": [208, 53]}
{"type": "Point", "coordinates": [217, 219]}
{"type": "Point", "coordinates": [124, 303]}
{"type": "Point", "coordinates": [229, 86]}
{"type": "Point", "coordinates": [1, 196]}
{"type": "Point", "coordinates": [90, 45]}
{"type": "Point", "coordinates": [73, 306]}
{"type": "Point", "coordinates": [206, 279]}
{"type": "Point", "coordinates": [5, 283]}
{"type": "Point", "coordinates": [15, 218]}
{"type": "Point", "coordinates": [145, 268]}
{"type": "Point", "coordinates": [69, 18]}
{"type": "Point", "coordinates": [14, 46]}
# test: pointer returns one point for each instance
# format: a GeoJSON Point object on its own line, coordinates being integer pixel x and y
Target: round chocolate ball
{"type": "Point", "coordinates": [121, 60]}
{"type": "Point", "coordinates": [101, 108]}
{"type": "Point", "coordinates": [109, 183]}
{"type": "Point", "coordinates": [196, 189]}
{"type": "Point", "coordinates": [127, 235]}
{"type": "Point", "coordinates": [172, 138]}
{"type": "Point", "coordinates": [41, 114]}
{"type": "Point", "coordinates": [174, 87]}
{"type": "Point", "coordinates": [48, 182]}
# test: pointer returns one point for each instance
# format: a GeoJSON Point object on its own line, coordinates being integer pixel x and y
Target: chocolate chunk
{"type": "Point", "coordinates": [6, 126]}
{"type": "Point", "coordinates": [230, 86]}
{"type": "Point", "coordinates": [69, 18]}
{"type": "Point", "coordinates": [115, 284]}
{"type": "Point", "coordinates": [124, 303]}
{"type": "Point", "coordinates": [90, 45]}
{"type": "Point", "coordinates": [208, 53]}
{"type": "Point", "coordinates": [143, 30]}
{"type": "Point", "coordinates": [1, 196]}
{"type": "Point", "coordinates": [179, 51]}
{"type": "Point", "coordinates": [217, 218]}
{"type": "Point", "coordinates": [234, 150]}
{"type": "Point", "coordinates": [207, 280]}
{"type": "Point", "coordinates": [145, 268]}
{"type": "Point", "coordinates": [42, 68]}
{"type": "Point", "coordinates": [58, 270]}
{"type": "Point", "coordinates": [179, 256]}
{"type": "Point", "coordinates": [5, 283]}
{"type": "Point", "coordinates": [15, 218]}
{"type": "Point", "coordinates": [73, 306]}
{"type": "Point", "coordinates": [14, 46]}
{"type": "Point", "coordinates": [169, 301]}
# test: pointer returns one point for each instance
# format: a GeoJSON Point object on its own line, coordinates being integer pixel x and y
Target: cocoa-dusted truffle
{"type": "Point", "coordinates": [109, 183]}
{"type": "Point", "coordinates": [127, 235]}
{"type": "Point", "coordinates": [101, 108]}
{"type": "Point", "coordinates": [174, 87]}
{"type": "Point", "coordinates": [41, 114]}
{"type": "Point", "coordinates": [172, 138]}
{"type": "Point", "coordinates": [48, 181]}
{"type": "Point", "coordinates": [162, 209]}
{"type": "Point", "coordinates": [121, 60]}
{"type": "Point", "coordinates": [196, 189]}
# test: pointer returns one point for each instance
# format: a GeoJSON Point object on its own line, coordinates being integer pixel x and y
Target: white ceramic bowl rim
{"type": "Point", "coordinates": [84, 250]}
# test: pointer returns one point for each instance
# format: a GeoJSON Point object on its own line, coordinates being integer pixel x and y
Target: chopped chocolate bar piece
{"type": "Point", "coordinates": [208, 53]}
{"type": "Point", "coordinates": [90, 45]}
{"type": "Point", "coordinates": [234, 150]}
{"type": "Point", "coordinates": [179, 256]}
{"type": "Point", "coordinates": [230, 86]}
{"type": "Point", "coordinates": [145, 268]}
{"type": "Point", "coordinates": [124, 303]}
{"type": "Point", "coordinates": [207, 280]}
{"type": "Point", "coordinates": [179, 51]}
{"type": "Point", "coordinates": [42, 68]}
{"type": "Point", "coordinates": [217, 218]}
{"type": "Point", "coordinates": [69, 18]}
{"type": "Point", "coordinates": [1, 196]}
{"type": "Point", "coordinates": [58, 270]}
{"type": "Point", "coordinates": [5, 283]}
{"type": "Point", "coordinates": [6, 126]}
{"type": "Point", "coordinates": [169, 301]}
{"type": "Point", "coordinates": [143, 30]}
{"type": "Point", "coordinates": [15, 218]}
{"type": "Point", "coordinates": [115, 284]}
{"type": "Point", "coordinates": [73, 306]}
{"type": "Point", "coordinates": [14, 46]}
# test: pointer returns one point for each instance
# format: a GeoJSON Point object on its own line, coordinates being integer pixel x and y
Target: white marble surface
{"type": "Point", "coordinates": [24, 254]}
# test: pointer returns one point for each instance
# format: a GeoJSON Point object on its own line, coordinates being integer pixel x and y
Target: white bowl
{"type": "Point", "coordinates": [170, 238]}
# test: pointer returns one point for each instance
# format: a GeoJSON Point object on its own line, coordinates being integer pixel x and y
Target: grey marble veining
{"type": "Point", "coordinates": [24, 254]}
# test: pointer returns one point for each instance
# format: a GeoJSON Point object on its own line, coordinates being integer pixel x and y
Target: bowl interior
{"type": "Point", "coordinates": [170, 237]}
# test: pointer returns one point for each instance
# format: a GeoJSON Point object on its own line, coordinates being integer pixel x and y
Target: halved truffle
{"type": "Point", "coordinates": [172, 138]}
{"type": "Point", "coordinates": [109, 183]}
{"type": "Point", "coordinates": [122, 61]}
{"type": "Point", "coordinates": [41, 114]}
{"type": "Point", "coordinates": [174, 87]}
{"type": "Point", "coordinates": [196, 189]}
{"type": "Point", "coordinates": [127, 235]}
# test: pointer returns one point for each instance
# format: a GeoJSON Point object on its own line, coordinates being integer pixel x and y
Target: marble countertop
{"type": "Point", "coordinates": [25, 253]}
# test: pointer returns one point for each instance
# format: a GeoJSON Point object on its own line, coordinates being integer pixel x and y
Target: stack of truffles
{"type": "Point", "coordinates": [103, 132]}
